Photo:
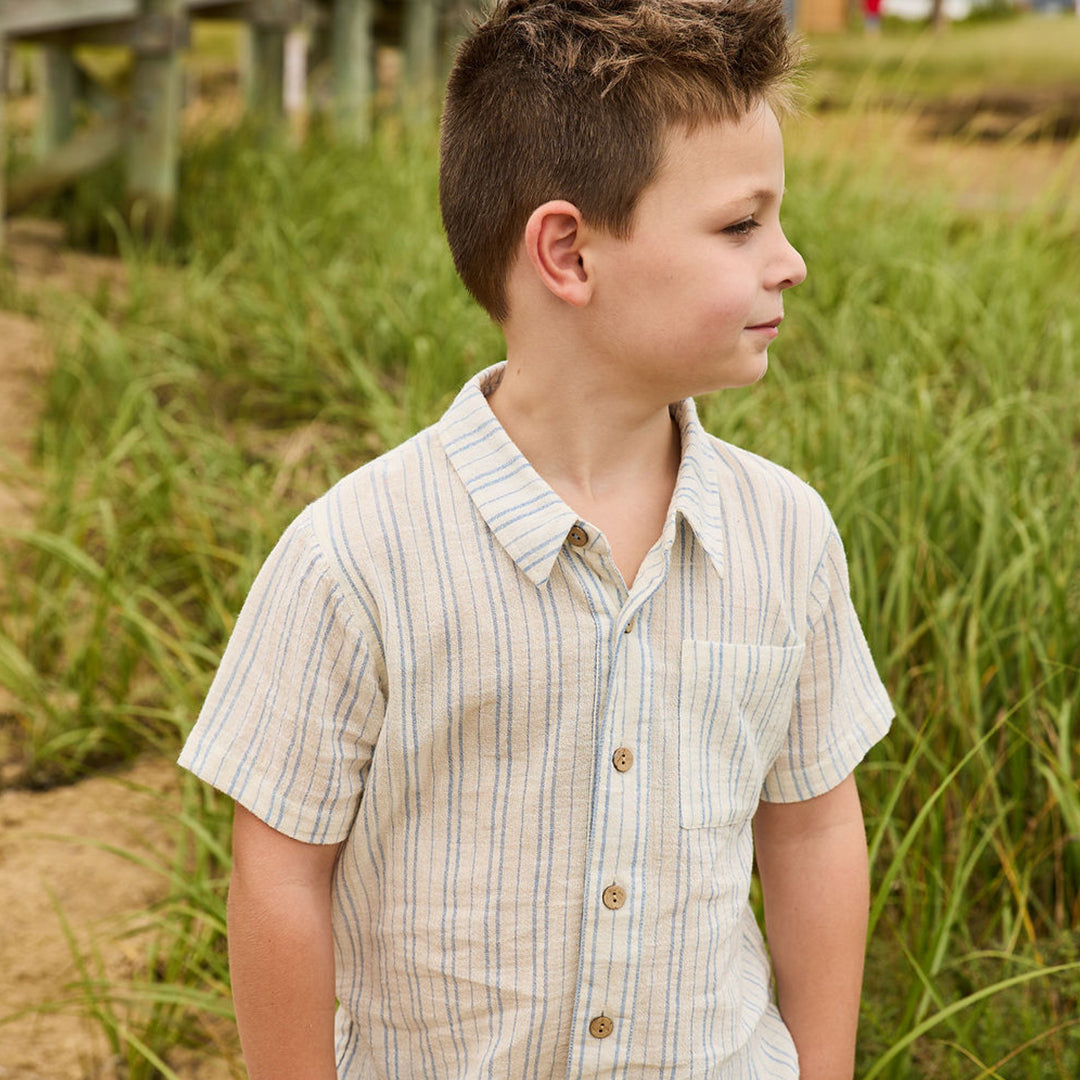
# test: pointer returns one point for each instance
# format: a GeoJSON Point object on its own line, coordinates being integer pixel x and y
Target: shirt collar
{"type": "Point", "coordinates": [527, 517]}
{"type": "Point", "coordinates": [697, 490]}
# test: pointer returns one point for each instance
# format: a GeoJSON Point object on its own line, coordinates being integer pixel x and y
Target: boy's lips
{"type": "Point", "coordinates": [772, 328]}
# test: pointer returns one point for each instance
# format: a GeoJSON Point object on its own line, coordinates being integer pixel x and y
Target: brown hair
{"type": "Point", "coordinates": [571, 99]}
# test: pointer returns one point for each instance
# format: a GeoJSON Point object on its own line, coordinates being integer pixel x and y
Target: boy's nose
{"type": "Point", "coordinates": [791, 266]}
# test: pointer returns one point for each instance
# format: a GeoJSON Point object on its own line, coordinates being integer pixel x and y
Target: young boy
{"type": "Point", "coordinates": [505, 707]}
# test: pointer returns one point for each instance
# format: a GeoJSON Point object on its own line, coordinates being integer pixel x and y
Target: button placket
{"type": "Point", "coordinates": [610, 921]}
{"type": "Point", "coordinates": [611, 924]}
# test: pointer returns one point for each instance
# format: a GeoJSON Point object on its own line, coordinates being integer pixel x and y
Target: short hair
{"type": "Point", "coordinates": [572, 99]}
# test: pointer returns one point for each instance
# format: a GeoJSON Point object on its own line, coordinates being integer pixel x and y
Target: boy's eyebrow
{"type": "Point", "coordinates": [761, 194]}
{"type": "Point", "coordinates": [756, 196]}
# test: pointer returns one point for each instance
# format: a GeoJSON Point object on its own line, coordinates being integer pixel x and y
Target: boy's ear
{"type": "Point", "coordinates": [553, 239]}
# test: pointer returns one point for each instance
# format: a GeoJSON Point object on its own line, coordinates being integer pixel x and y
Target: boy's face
{"type": "Point", "coordinates": [691, 300]}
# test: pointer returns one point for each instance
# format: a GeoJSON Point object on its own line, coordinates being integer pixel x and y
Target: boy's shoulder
{"type": "Point", "coordinates": [763, 485]}
{"type": "Point", "coordinates": [359, 514]}
{"type": "Point", "coordinates": [391, 473]}
{"type": "Point", "coordinates": [757, 512]}
{"type": "Point", "coordinates": [410, 468]}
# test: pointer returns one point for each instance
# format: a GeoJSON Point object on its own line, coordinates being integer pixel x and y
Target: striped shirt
{"type": "Point", "coordinates": [544, 781]}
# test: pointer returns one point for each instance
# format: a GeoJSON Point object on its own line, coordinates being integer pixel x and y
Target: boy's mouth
{"type": "Point", "coordinates": [771, 325]}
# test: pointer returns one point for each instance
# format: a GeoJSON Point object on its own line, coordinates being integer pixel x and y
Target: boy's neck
{"type": "Point", "coordinates": [612, 459]}
{"type": "Point", "coordinates": [581, 432]}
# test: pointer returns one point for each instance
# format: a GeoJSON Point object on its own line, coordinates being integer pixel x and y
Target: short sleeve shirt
{"type": "Point", "coordinates": [543, 780]}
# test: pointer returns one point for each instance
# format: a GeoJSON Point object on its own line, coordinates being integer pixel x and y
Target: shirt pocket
{"type": "Point", "coordinates": [734, 713]}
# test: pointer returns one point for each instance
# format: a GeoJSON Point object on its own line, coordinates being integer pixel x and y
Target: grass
{"type": "Point", "coordinates": [926, 383]}
{"type": "Point", "coordinates": [916, 65]}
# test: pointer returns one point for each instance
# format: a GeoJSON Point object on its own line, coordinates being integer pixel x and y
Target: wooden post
{"type": "Point", "coordinates": [271, 21]}
{"type": "Point", "coordinates": [56, 121]}
{"type": "Point", "coordinates": [421, 57]}
{"type": "Point", "coordinates": [3, 133]}
{"type": "Point", "coordinates": [354, 68]}
{"type": "Point", "coordinates": [295, 71]}
{"type": "Point", "coordinates": [267, 70]}
{"type": "Point", "coordinates": [154, 136]}
{"type": "Point", "coordinates": [321, 43]}
{"type": "Point", "coordinates": [296, 82]}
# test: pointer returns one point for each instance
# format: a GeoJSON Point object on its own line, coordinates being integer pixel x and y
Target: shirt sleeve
{"type": "Point", "coordinates": [292, 715]}
{"type": "Point", "coordinates": [841, 706]}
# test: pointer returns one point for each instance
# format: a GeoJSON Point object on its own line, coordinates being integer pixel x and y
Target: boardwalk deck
{"type": "Point", "coordinates": [22, 18]}
{"type": "Point", "coordinates": [156, 31]}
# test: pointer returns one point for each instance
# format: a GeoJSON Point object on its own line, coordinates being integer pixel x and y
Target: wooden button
{"type": "Point", "coordinates": [628, 627]}
{"type": "Point", "coordinates": [614, 896]}
{"type": "Point", "coordinates": [622, 759]}
{"type": "Point", "coordinates": [600, 1027]}
{"type": "Point", "coordinates": [578, 536]}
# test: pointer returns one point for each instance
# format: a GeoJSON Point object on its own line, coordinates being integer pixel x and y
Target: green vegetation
{"type": "Point", "coordinates": [926, 383]}
{"type": "Point", "coordinates": [911, 64]}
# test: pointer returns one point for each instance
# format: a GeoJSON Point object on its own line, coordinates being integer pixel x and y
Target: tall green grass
{"type": "Point", "coordinates": [918, 65]}
{"type": "Point", "coordinates": [926, 383]}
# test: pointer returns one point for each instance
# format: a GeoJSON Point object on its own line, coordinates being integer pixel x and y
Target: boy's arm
{"type": "Point", "coordinates": [813, 867]}
{"type": "Point", "coordinates": [281, 952]}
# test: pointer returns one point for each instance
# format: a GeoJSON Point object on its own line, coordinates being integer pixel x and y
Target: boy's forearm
{"type": "Point", "coordinates": [813, 867]}
{"type": "Point", "coordinates": [282, 968]}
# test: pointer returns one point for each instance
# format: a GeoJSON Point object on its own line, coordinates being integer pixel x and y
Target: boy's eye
{"type": "Point", "coordinates": [742, 228]}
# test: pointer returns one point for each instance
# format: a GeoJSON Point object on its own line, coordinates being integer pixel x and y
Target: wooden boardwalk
{"type": "Point", "coordinates": [145, 130]}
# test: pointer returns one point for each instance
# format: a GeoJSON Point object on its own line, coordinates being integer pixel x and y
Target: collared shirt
{"type": "Point", "coordinates": [544, 781]}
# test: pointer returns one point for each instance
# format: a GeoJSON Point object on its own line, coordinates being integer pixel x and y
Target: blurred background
{"type": "Point", "coordinates": [223, 284]}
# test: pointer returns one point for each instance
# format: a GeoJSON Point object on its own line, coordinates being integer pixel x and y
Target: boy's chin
{"type": "Point", "coordinates": [753, 372]}
{"type": "Point", "coordinates": [741, 381]}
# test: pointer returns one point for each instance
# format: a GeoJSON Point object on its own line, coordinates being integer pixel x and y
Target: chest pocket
{"type": "Point", "coordinates": [735, 705]}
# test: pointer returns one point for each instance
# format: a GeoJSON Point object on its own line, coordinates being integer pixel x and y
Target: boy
{"type": "Point", "coordinates": [505, 706]}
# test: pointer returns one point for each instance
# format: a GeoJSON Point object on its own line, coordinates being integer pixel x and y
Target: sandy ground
{"type": "Point", "coordinates": [51, 872]}
{"type": "Point", "coordinates": [55, 872]}
{"type": "Point", "coordinates": [24, 361]}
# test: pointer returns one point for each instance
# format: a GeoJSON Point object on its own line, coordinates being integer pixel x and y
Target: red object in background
{"type": "Point", "coordinates": [872, 8]}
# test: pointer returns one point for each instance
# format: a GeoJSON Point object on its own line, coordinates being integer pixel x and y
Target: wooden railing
{"type": "Point", "coordinates": [145, 129]}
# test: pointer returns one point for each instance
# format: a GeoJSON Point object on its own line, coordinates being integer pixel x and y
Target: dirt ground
{"type": "Point", "coordinates": [43, 871]}
{"type": "Point", "coordinates": [51, 872]}
{"type": "Point", "coordinates": [25, 363]}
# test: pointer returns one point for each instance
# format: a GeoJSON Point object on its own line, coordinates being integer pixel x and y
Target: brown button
{"type": "Point", "coordinates": [578, 536]}
{"type": "Point", "coordinates": [628, 627]}
{"type": "Point", "coordinates": [622, 759]}
{"type": "Point", "coordinates": [614, 896]}
{"type": "Point", "coordinates": [600, 1027]}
